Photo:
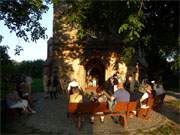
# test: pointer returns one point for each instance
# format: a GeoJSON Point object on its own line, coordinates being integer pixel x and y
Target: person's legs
{"type": "Point", "coordinates": [19, 104]}
{"type": "Point", "coordinates": [111, 105]}
{"type": "Point", "coordinates": [55, 92]}
{"type": "Point", "coordinates": [92, 120]}
{"type": "Point", "coordinates": [102, 119]}
{"type": "Point", "coordinates": [29, 88]}
{"type": "Point", "coordinates": [22, 104]}
{"type": "Point", "coordinates": [51, 94]}
{"type": "Point", "coordinates": [45, 92]}
{"type": "Point", "coordinates": [26, 105]}
{"type": "Point", "coordinates": [115, 119]}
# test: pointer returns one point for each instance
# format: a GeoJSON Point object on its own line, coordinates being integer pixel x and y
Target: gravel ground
{"type": "Point", "coordinates": [51, 118]}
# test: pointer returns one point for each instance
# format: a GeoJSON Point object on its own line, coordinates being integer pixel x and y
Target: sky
{"type": "Point", "coordinates": [31, 50]}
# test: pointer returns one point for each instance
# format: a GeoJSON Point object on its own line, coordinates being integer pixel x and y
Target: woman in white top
{"type": "Point", "coordinates": [76, 97]}
{"type": "Point", "coordinates": [148, 94]}
{"type": "Point", "coordinates": [71, 85]}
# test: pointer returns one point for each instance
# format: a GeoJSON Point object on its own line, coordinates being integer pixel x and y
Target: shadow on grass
{"type": "Point", "coordinates": [170, 112]}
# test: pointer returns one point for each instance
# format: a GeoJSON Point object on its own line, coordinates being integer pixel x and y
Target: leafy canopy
{"type": "Point", "coordinates": [23, 16]}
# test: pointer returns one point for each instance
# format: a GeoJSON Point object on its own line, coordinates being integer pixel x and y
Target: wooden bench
{"type": "Point", "coordinates": [153, 104]}
{"type": "Point", "coordinates": [122, 109]}
{"type": "Point", "coordinates": [90, 88]}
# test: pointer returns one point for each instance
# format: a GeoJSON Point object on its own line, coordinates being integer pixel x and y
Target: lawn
{"type": "Point", "coordinates": [37, 85]}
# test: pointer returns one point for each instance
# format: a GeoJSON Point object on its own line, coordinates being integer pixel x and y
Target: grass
{"type": "Point", "coordinates": [37, 85]}
{"type": "Point", "coordinates": [175, 104]}
{"type": "Point", "coordinates": [166, 129]}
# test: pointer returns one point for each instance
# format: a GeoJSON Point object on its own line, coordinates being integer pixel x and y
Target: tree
{"type": "Point", "coordinates": [22, 17]}
{"type": "Point", "coordinates": [8, 69]}
{"type": "Point", "coordinates": [150, 25]}
{"type": "Point", "coordinates": [32, 68]}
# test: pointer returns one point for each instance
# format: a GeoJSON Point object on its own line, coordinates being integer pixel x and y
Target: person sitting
{"type": "Point", "coordinates": [101, 97]}
{"type": "Point", "coordinates": [142, 86]}
{"type": "Point", "coordinates": [148, 94]}
{"type": "Point", "coordinates": [24, 93]}
{"type": "Point", "coordinates": [14, 101]}
{"type": "Point", "coordinates": [121, 95]}
{"type": "Point", "coordinates": [76, 97]}
{"type": "Point", "coordinates": [71, 85]}
{"type": "Point", "coordinates": [158, 87]}
{"type": "Point", "coordinates": [113, 83]}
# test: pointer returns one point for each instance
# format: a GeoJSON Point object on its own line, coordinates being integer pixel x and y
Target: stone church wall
{"type": "Point", "coordinates": [68, 59]}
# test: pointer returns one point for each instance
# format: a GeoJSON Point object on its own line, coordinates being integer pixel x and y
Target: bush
{"type": "Point", "coordinates": [37, 85]}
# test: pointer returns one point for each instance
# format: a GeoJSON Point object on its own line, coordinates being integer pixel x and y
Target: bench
{"type": "Point", "coordinates": [91, 88]}
{"type": "Point", "coordinates": [122, 109]}
{"type": "Point", "coordinates": [153, 103]}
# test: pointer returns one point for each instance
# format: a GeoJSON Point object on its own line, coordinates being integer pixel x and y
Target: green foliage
{"type": "Point", "coordinates": [132, 28]}
{"type": "Point", "coordinates": [1, 37]}
{"type": "Point", "coordinates": [37, 85]}
{"type": "Point", "coordinates": [93, 17]}
{"type": "Point", "coordinates": [33, 68]}
{"type": "Point", "coordinates": [22, 17]}
{"type": "Point", "coordinates": [152, 25]}
{"type": "Point", "coordinates": [10, 69]}
{"type": "Point", "coordinates": [18, 49]}
{"type": "Point", "coordinates": [128, 54]}
{"type": "Point", "coordinates": [7, 72]}
{"type": "Point", "coordinates": [176, 63]}
{"type": "Point", "coordinates": [4, 57]}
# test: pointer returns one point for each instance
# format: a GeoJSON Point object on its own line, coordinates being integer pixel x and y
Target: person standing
{"type": "Point", "coordinates": [45, 85]}
{"type": "Point", "coordinates": [54, 86]}
{"type": "Point", "coordinates": [131, 80]}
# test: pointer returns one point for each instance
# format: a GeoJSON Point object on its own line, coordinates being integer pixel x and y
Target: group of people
{"type": "Point", "coordinates": [118, 93]}
{"type": "Point", "coordinates": [92, 81]}
{"type": "Point", "coordinates": [21, 95]}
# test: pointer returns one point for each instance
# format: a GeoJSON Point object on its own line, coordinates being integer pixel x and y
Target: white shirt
{"type": "Point", "coordinates": [115, 88]}
{"type": "Point", "coordinates": [145, 96]}
{"type": "Point", "coordinates": [73, 84]}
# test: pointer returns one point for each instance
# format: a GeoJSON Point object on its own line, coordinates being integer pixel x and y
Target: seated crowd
{"type": "Point", "coordinates": [20, 97]}
{"type": "Point", "coordinates": [117, 93]}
